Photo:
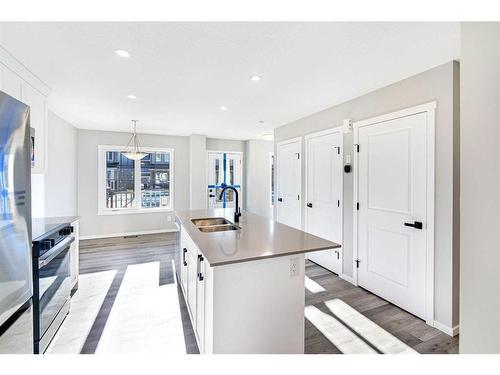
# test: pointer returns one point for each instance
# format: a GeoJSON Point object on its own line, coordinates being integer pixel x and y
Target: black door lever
{"type": "Point", "coordinates": [416, 225]}
{"type": "Point", "coordinates": [280, 199]}
{"type": "Point", "coordinates": [310, 205]}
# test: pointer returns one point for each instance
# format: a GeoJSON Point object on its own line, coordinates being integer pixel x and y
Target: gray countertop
{"type": "Point", "coordinates": [44, 225]}
{"type": "Point", "coordinates": [258, 238]}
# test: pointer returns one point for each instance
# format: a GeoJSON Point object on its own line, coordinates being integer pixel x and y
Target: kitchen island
{"type": "Point", "coordinates": [244, 282]}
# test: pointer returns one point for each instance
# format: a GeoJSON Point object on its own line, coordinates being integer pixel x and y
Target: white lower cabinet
{"type": "Point", "coordinates": [192, 279]}
{"type": "Point", "coordinates": [253, 307]}
{"type": "Point", "coordinates": [200, 303]}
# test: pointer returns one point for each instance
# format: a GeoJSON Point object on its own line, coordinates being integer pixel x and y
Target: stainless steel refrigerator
{"type": "Point", "coordinates": [16, 284]}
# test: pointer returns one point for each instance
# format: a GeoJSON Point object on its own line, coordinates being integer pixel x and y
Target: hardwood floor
{"type": "Point", "coordinates": [402, 325]}
{"type": "Point", "coordinates": [128, 301]}
{"type": "Point", "coordinates": [105, 265]}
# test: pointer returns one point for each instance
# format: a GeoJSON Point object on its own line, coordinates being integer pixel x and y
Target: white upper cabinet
{"type": "Point", "coordinates": [10, 83]}
{"type": "Point", "coordinates": [17, 81]}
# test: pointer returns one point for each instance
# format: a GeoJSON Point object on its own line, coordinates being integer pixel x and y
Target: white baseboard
{"type": "Point", "coordinates": [139, 233]}
{"type": "Point", "coordinates": [450, 331]}
{"type": "Point", "coordinates": [347, 278]}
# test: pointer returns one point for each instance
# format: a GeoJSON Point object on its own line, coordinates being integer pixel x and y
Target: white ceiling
{"type": "Point", "coordinates": [182, 73]}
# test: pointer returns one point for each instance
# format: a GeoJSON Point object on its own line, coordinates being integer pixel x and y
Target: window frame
{"type": "Point", "coordinates": [101, 182]}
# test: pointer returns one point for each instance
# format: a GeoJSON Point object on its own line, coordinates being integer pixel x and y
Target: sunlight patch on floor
{"type": "Point", "coordinates": [340, 336]}
{"type": "Point", "coordinates": [145, 317]}
{"type": "Point", "coordinates": [85, 305]}
{"type": "Point", "coordinates": [313, 286]}
{"type": "Point", "coordinates": [371, 332]}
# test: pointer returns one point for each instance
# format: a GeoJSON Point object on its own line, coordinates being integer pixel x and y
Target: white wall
{"type": "Point", "coordinates": [258, 178]}
{"type": "Point", "coordinates": [480, 189]}
{"type": "Point", "coordinates": [437, 84]}
{"type": "Point", "coordinates": [92, 224]}
{"type": "Point", "coordinates": [214, 144]}
{"type": "Point", "coordinates": [54, 193]}
{"type": "Point", "coordinates": [198, 172]}
{"type": "Point", "coordinates": [61, 189]}
{"type": "Point", "coordinates": [37, 195]}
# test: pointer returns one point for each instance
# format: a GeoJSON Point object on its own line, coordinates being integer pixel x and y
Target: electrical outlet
{"type": "Point", "coordinates": [294, 267]}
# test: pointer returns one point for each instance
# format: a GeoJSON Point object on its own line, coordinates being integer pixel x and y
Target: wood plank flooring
{"type": "Point", "coordinates": [112, 292]}
{"type": "Point", "coordinates": [404, 326]}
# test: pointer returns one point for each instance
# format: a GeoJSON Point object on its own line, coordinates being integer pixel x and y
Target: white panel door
{"type": "Point", "coordinates": [392, 196]}
{"type": "Point", "coordinates": [224, 168]}
{"type": "Point", "coordinates": [324, 196]}
{"type": "Point", "coordinates": [289, 184]}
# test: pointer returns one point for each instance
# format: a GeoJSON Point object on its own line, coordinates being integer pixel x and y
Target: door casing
{"type": "Point", "coordinates": [429, 109]}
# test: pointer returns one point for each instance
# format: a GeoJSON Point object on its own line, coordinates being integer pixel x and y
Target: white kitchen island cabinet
{"type": "Point", "coordinates": [244, 288]}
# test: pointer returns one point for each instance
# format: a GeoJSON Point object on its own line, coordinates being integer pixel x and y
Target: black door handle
{"type": "Point", "coordinates": [416, 225]}
{"type": "Point", "coordinates": [310, 205]}
{"type": "Point", "coordinates": [211, 195]}
{"type": "Point", "coordinates": [280, 199]}
{"type": "Point", "coordinates": [184, 251]}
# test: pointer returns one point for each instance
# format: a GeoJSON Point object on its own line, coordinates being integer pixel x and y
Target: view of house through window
{"type": "Point", "coordinates": [120, 181]}
{"type": "Point", "coordinates": [141, 184]}
{"type": "Point", "coordinates": [155, 180]}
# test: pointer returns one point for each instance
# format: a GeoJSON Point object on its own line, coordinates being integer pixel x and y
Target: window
{"type": "Point", "coordinates": [128, 186]}
{"type": "Point", "coordinates": [271, 179]}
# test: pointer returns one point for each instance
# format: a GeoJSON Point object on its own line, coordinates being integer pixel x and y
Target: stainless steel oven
{"type": "Point", "coordinates": [51, 284]}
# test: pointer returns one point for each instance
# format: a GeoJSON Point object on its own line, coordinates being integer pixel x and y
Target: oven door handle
{"type": "Point", "coordinates": [55, 251]}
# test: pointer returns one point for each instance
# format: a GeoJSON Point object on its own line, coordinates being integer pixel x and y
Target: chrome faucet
{"type": "Point", "coordinates": [237, 212]}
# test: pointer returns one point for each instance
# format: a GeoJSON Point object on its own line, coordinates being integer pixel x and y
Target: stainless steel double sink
{"type": "Point", "coordinates": [214, 224]}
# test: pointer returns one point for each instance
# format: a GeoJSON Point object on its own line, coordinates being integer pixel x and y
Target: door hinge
{"type": "Point", "coordinates": [357, 261]}
{"type": "Point", "coordinates": [298, 155]}
{"type": "Point", "coordinates": [298, 197]}
{"type": "Point", "coordinates": [357, 147]}
{"type": "Point", "coordinates": [338, 149]}
{"type": "Point", "coordinates": [357, 206]}
{"type": "Point", "coordinates": [338, 203]}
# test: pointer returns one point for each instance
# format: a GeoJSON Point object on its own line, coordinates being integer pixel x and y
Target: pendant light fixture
{"type": "Point", "coordinates": [132, 150]}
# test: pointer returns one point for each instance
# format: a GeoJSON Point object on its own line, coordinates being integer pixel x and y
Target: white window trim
{"type": "Point", "coordinates": [101, 182]}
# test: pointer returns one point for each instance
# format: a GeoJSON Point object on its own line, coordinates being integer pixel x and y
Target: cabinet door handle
{"type": "Point", "coordinates": [184, 251]}
{"type": "Point", "coordinates": [200, 260]}
{"type": "Point", "coordinates": [416, 225]}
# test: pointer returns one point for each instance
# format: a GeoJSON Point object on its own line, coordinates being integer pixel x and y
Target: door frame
{"type": "Point", "coordinates": [337, 129]}
{"type": "Point", "coordinates": [242, 173]}
{"type": "Point", "coordinates": [430, 110]}
{"type": "Point", "coordinates": [276, 166]}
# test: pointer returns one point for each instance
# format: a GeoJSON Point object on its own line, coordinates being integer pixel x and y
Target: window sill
{"type": "Point", "coordinates": [133, 211]}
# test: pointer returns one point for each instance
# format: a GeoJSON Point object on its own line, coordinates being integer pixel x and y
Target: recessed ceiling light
{"type": "Point", "coordinates": [131, 96]}
{"type": "Point", "coordinates": [268, 136]}
{"type": "Point", "coordinates": [223, 108]}
{"type": "Point", "coordinates": [255, 78]}
{"type": "Point", "coordinates": [122, 53]}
